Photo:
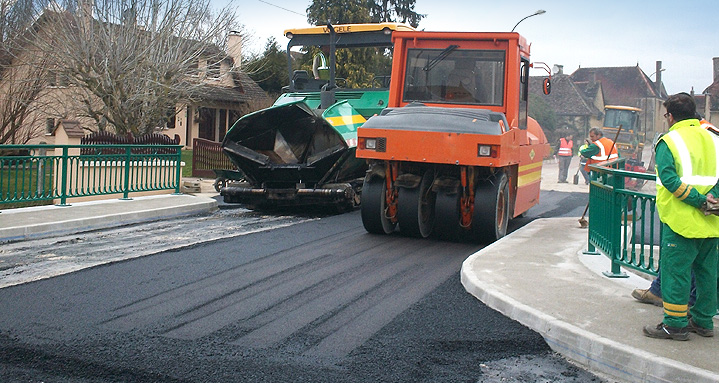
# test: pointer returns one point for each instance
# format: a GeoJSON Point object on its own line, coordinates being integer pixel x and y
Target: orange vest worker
{"type": "Point", "coordinates": [607, 151]}
{"type": "Point", "coordinates": [565, 147]}
{"type": "Point", "coordinates": [708, 126]}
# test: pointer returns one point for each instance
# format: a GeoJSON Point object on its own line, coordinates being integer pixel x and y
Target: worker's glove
{"type": "Point", "coordinates": [710, 208]}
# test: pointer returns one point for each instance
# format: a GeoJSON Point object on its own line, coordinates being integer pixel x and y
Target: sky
{"type": "Point", "coordinates": [608, 33]}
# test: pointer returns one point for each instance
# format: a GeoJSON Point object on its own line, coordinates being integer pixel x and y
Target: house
{"type": "Point", "coordinates": [226, 93]}
{"type": "Point", "coordinates": [708, 101]}
{"type": "Point", "coordinates": [578, 100]}
{"type": "Point", "coordinates": [630, 86]}
{"type": "Point", "coordinates": [575, 105]}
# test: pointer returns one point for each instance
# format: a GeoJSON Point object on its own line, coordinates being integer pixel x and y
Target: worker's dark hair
{"type": "Point", "coordinates": [681, 106]}
{"type": "Point", "coordinates": [597, 131]}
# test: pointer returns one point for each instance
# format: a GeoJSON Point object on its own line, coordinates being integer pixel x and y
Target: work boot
{"type": "Point", "coordinates": [705, 332]}
{"type": "Point", "coordinates": [662, 331]}
{"type": "Point", "coordinates": [646, 296]}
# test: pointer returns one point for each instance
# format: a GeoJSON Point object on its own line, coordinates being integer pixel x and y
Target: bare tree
{"type": "Point", "coordinates": [19, 100]}
{"type": "Point", "coordinates": [22, 74]}
{"type": "Point", "coordinates": [128, 63]}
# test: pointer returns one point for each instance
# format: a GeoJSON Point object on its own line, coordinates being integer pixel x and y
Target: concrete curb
{"type": "Point", "coordinates": [588, 349]}
{"type": "Point", "coordinates": [84, 216]}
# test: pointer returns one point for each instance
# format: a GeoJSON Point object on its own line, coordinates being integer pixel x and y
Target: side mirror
{"type": "Point", "coordinates": [547, 83]}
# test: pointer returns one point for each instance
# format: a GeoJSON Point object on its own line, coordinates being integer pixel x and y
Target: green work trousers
{"type": "Point", "coordinates": [679, 256]}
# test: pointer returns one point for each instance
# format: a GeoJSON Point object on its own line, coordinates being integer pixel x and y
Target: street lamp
{"type": "Point", "coordinates": [660, 70]}
{"type": "Point", "coordinates": [539, 12]}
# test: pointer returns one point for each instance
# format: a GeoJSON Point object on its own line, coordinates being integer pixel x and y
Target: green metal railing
{"type": "Point", "coordinates": [50, 172]}
{"type": "Point", "coordinates": [623, 224]}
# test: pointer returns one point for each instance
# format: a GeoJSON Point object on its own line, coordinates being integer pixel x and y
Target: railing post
{"type": "Point", "coordinates": [64, 175]}
{"type": "Point", "coordinates": [178, 170]}
{"type": "Point", "coordinates": [195, 158]}
{"type": "Point", "coordinates": [591, 249]}
{"type": "Point", "coordinates": [126, 183]}
{"type": "Point", "coordinates": [591, 227]}
{"type": "Point", "coordinates": [615, 228]}
{"type": "Point", "coordinates": [42, 152]}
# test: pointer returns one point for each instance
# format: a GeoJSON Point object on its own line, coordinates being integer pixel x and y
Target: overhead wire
{"type": "Point", "coordinates": [282, 8]}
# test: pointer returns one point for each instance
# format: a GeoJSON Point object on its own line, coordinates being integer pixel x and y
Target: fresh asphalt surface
{"type": "Point", "coordinates": [320, 301]}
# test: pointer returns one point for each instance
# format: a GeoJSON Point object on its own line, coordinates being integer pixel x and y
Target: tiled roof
{"type": "Point", "coordinates": [565, 98]}
{"type": "Point", "coordinates": [72, 128]}
{"type": "Point", "coordinates": [245, 90]}
{"type": "Point", "coordinates": [249, 86]}
{"type": "Point", "coordinates": [620, 85]}
{"type": "Point", "coordinates": [589, 89]}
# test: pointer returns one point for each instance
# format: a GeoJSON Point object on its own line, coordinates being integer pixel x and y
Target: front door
{"type": "Point", "coordinates": [207, 123]}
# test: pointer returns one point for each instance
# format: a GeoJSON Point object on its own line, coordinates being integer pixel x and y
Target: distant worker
{"type": "Point", "coordinates": [687, 178]}
{"type": "Point", "coordinates": [583, 163]}
{"type": "Point", "coordinates": [320, 70]}
{"type": "Point", "coordinates": [707, 125]}
{"type": "Point", "coordinates": [564, 156]}
{"type": "Point", "coordinates": [599, 148]}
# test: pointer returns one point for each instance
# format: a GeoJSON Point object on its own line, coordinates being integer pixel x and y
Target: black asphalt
{"type": "Point", "coordinates": [320, 301]}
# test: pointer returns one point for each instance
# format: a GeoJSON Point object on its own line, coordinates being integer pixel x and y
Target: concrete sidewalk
{"type": "Point", "coordinates": [539, 276]}
{"type": "Point", "coordinates": [49, 221]}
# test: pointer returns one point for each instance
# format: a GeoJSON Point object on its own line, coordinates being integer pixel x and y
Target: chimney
{"type": "Point", "coordinates": [658, 83]}
{"type": "Point", "coordinates": [716, 69]}
{"type": "Point", "coordinates": [234, 48]}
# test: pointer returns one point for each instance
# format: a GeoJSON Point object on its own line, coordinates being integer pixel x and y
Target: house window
{"type": "Point", "coordinates": [62, 80]}
{"type": "Point", "coordinates": [193, 69]}
{"type": "Point", "coordinates": [207, 123]}
{"type": "Point", "coordinates": [222, 124]}
{"type": "Point", "coordinates": [57, 79]}
{"type": "Point", "coordinates": [213, 69]}
{"type": "Point", "coordinates": [234, 115]}
{"type": "Point", "coordinates": [49, 125]}
{"type": "Point", "coordinates": [170, 118]}
{"type": "Point", "coordinates": [52, 78]}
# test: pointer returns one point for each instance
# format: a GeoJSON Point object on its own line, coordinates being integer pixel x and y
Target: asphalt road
{"type": "Point", "coordinates": [317, 301]}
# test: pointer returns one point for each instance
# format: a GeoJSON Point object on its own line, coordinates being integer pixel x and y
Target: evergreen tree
{"type": "Point", "coordinates": [269, 70]}
{"type": "Point", "coordinates": [363, 11]}
{"type": "Point", "coordinates": [320, 12]}
{"type": "Point", "coordinates": [359, 67]}
{"type": "Point", "coordinates": [540, 110]}
{"type": "Point", "coordinates": [394, 11]}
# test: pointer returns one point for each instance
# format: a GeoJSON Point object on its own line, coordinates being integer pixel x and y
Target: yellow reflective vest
{"type": "Point", "coordinates": [696, 159]}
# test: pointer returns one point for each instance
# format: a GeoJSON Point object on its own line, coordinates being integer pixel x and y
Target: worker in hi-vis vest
{"type": "Point", "coordinates": [564, 155]}
{"type": "Point", "coordinates": [599, 148]}
{"type": "Point", "coordinates": [687, 168]}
